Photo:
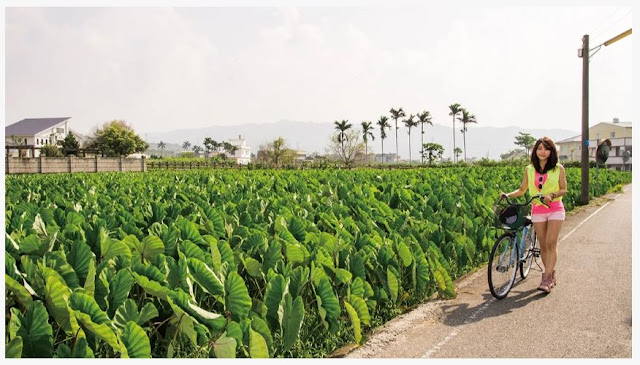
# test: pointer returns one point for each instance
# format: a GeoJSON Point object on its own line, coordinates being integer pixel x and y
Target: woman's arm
{"type": "Point", "coordinates": [523, 187]}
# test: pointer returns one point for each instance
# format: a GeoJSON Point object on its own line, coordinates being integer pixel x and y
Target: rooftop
{"type": "Point", "coordinates": [31, 126]}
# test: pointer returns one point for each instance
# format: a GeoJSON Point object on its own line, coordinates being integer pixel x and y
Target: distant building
{"type": "Point", "coordinates": [514, 154]}
{"type": "Point", "coordinates": [618, 133]}
{"type": "Point", "coordinates": [386, 158]}
{"type": "Point", "coordinates": [300, 156]}
{"type": "Point", "coordinates": [35, 133]}
{"type": "Point", "coordinates": [242, 154]}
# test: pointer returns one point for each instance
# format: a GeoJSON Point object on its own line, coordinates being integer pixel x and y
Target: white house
{"type": "Point", "coordinates": [242, 155]}
{"type": "Point", "coordinates": [35, 132]}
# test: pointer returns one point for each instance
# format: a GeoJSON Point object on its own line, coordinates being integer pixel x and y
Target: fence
{"type": "Point", "coordinates": [188, 165]}
{"type": "Point", "coordinates": [47, 165]}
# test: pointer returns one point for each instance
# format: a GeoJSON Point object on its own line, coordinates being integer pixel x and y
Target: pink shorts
{"type": "Point", "coordinates": [551, 216]}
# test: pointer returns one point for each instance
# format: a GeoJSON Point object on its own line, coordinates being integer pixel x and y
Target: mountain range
{"type": "Point", "coordinates": [313, 137]}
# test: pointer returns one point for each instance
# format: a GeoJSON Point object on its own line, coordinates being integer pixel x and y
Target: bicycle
{"type": "Point", "coordinates": [515, 249]}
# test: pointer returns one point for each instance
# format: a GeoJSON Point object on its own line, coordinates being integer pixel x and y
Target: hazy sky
{"type": "Point", "coordinates": [163, 68]}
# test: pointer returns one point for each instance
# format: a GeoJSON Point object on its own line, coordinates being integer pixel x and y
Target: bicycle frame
{"type": "Point", "coordinates": [518, 237]}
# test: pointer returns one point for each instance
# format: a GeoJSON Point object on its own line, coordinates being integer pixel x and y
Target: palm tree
{"type": "Point", "coordinates": [342, 127]}
{"type": "Point", "coordinates": [466, 119]}
{"type": "Point", "coordinates": [186, 145]}
{"type": "Point", "coordinates": [383, 123]}
{"type": "Point", "coordinates": [196, 150]}
{"type": "Point", "coordinates": [410, 123]}
{"type": "Point", "coordinates": [457, 151]}
{"type": "Point", "coordinates": [366, 133]}
{"type": "Point", "coordinates": [161, 147]}
{"type": "Point", "coordinates": [397, 114]}
{"type": "Point", "coordinates": [455, 110]}
{"type": "Point", "coordinates": [424, 117]}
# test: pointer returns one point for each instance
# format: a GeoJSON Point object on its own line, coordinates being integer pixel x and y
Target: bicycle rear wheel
{"type": "Point", "coordinates": [502, 266]}
{"type": "Point", "coordinates": [530, 243]}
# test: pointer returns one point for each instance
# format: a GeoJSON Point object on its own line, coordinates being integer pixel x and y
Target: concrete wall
{"type": "Point", "coordinates": [46, 165]}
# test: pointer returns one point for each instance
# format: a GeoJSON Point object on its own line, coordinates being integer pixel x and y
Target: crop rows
{"type": "Point", "coordinates": [256, 263]}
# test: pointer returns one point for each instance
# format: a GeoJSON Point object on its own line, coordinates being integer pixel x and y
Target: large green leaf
{"type": "Point", "coordinates": [392, 285]}
{"type": "Point", "coordinates": [226, 253]}
{"type": "Point", "coordinates": [110, 248]}
{"type": "Point", "coordinates": [182, 300]}
{"type": "Point", "coordinates": [273, 300]}
{"type": "Point", "coordinates": [257, 345]}
{"type": "Point", "coordinates": [357, 287]}
{"type": "Point", "coordinates": [87, 311]}
{"type": "Point", "coordinates": [151, 286]}
{"type": "Point", "coordinates": [128, 311]}
{"type": "Point", "coordinates": [237, 299]}
{"type": "Point", "coordinates": [260, 326]}
{"type": "Point", "coordinates": [191, 250]}
{"type": "Point", "coordinates": [216, 258]}
{"type": "Point", "coordinates": [329, 301]}
{"type": "Point", "coordinates": [145, 251]}
{"type": "Point", "coordinates": [136, 341]}
{"type": "Point", "coordinates": [404, 253]}
{"type": "Point", "coordinates": [298, 278]}
{"type": "Point", "coordinates": [33, 245]}
{"type": "Point", "coordinates": [422, 270]}
{"type": "Point", "coordinates": [14, 349]}
{"type": "Point", "coordinates": [119, 289]}
{"type": "Point", "coordinates": [360, 307]}
{"type": "Point", "coordinates": [35, 331]}
{"type": "Point", "coordinates": [292, 320]}
{"type": "Point", "coordinates": [90, 281]}
{"type": "Point", "coordinates": [205, 277]}
{"type": "Point", "coordinates": [79, 257]}
{"type": "Point", "coordinates": [355, 322]}
{"type": "Point", "coordinates": [343, 276]}
{"type": "Point", "coordinates": [57, 261]}
{"type": "Point", "coordinates": [57, 297]}
{"type": "Point", "coordinates": [21, 293]}
{"type": "Point", "coordinates": [253, 267]}
{"type": "Point", "coordinates": [294, 253]}
{"type": "Point", "coordinates": [80, 350]}
{"type": "Point", "coordinates": [225, 347]}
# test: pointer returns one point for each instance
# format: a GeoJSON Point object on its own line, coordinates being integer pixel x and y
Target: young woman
{"type": "Point", "coordinates": [545, 176]}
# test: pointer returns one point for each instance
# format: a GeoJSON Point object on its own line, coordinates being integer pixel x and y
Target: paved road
{"type": "Point", "coordinates": [587, 315]}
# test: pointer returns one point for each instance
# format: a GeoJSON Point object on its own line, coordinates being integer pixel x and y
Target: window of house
{"type": "Point", "coordinates": [613, 134]}
{"type": "Point", "coordinates": [597, 135]}
{"type": "Point", "coordinates": [25, 141]}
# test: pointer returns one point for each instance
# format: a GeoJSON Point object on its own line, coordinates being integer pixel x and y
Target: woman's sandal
{"type": "Point", "coordinates": [545, 284]}
{"type": "Point", "coordinates": [553, 279]}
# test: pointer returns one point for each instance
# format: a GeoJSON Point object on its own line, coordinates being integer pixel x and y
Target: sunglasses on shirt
{"type": "Point", "coordinates": [540, 183]}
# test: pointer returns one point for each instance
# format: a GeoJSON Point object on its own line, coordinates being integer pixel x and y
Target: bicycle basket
{"type": "Point", "coordinates": [509, 216]}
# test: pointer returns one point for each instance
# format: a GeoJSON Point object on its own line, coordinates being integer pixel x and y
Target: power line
{"type": "Point", "coordinates": [602, 23]}
{"type": "Point", "coordinates": [612, 24]}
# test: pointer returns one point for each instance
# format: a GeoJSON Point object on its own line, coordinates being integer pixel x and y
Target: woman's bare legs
{"type": "Point", "coordinates": [541, 232]}
{"type": "Point", "coordinates": [551, 243]}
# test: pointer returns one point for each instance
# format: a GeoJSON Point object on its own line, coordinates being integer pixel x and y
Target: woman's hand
{"type": "Point", "coordinates": [503, 195]}
{"type": "Point", "coordinates": [548, 198]}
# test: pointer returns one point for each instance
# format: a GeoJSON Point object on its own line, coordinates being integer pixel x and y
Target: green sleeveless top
{"type": "Point", "coordinates": [551, 185]}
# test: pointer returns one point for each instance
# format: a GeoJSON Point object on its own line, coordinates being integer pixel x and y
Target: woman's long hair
{"type": "Point", "coordinates": [552, 161]}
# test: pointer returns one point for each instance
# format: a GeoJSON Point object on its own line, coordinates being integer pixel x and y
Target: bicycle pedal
{"type": "Point", "coordinates": [536, 252]}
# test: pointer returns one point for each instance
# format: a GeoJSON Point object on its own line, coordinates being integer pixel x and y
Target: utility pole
{"type": "Point", "coordinates": [585, 54]}
{"type": "Point", "coordinates": [584, 196]}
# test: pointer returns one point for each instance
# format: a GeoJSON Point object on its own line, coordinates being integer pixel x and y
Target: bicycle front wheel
{"type": "Point", "coordinates": [530, 243]}
{"type": "Point", "coordinates": [502, 266]}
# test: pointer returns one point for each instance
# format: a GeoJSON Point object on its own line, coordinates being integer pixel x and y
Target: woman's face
{"type": "Point", "coordinates": [542, 152]}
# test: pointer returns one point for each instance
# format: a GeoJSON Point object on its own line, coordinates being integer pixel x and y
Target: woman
{"type": "Point", "coordinates": [545, 176]}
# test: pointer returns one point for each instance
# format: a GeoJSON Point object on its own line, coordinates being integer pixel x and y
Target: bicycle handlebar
{"type": "Point", "coordinates": [539, 196]}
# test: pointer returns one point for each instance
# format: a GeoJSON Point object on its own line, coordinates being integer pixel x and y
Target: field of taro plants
{"type": "Point", "coordinates": [236, 263]}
